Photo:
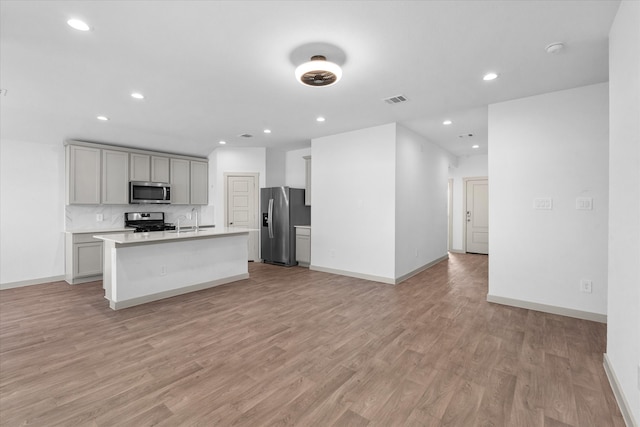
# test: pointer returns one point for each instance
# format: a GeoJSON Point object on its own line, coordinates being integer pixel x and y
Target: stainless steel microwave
{"type": "Point", "coordinates": [149, 192]}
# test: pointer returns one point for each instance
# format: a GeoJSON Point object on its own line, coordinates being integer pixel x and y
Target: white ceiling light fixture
{"type": "Point", "coordinates": [475, 146]}
{"type": "Point", "coordinates": [222, 142]}
{"type": "Point", "coordinates": [267, 131]}
{"type": "Point", "coordinates": [102, 118]}
{"type": "Point", "coordinates": [318, 72]}
{"type": "Point", "coordinates": [137, 95]}
{"type": "Point", "coordinates": [320, 119]}
{"type": "Point", "coordinates": [490, 76]}
{"type": "Point", "coordinates": [447, 122]}
{"type": "Point", "coordinates": [79, 25]}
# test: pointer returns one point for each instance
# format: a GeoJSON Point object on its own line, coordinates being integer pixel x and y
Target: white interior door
{"type": "Point", "coordinates": [242, 207]}
{"type": "Point", "coordinates": [477, 216]}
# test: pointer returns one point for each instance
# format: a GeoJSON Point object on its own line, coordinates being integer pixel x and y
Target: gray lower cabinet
{"type": "Point", "coordinates": [84, 257]}
{"type": "Point", "coordinates": [303, 246]}
{"type": "Point", "coordinates": [87, 259]}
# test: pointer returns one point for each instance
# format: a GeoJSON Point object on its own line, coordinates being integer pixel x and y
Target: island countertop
{"type": "Point", "coordinates": [172, 235]}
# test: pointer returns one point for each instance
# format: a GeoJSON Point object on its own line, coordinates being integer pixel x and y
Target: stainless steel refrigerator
{"type": "Point", "coordinates": [282, 208]}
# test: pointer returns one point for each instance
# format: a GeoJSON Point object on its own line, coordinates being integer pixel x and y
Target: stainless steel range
{"type": "Point", "coordinates": [146, 221]}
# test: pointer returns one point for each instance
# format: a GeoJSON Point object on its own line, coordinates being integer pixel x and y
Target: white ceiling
{"type": "Point", "coordinates": [213, 70]}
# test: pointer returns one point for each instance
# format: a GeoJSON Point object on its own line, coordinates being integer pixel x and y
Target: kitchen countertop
{"type": "Point", "coordinates": [302, 226]}
{"type": "Point", "coordinates": [117, 230]}
{"type": "Point", "coordinates": [162, 236]}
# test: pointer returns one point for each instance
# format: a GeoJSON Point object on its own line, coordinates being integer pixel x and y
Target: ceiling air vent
{"type": "Point", "coordinates": [396, 99]}
{"type": "Point", "coordinates": [245, 135]}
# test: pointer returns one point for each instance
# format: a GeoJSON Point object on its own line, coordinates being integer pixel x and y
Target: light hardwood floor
{"type": "Point", "coordinates": [291, 346]}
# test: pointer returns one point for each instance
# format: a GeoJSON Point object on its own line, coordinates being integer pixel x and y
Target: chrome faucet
{"type": "Point", "coordinates": [194, 211]}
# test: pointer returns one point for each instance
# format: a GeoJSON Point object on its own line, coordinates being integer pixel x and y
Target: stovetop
{"type": "Point", "coordinates": [143, 222]}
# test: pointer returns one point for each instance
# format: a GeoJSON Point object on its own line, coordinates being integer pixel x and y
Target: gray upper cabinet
{"type": "Point", "coordinates": [139, 167]}
{"type": "Point", "coordinates": [160, 169]}
{"type": "Point", "coordinates": [115, 177]}
{"type": "Point", "coordinates": [180, 181]}
{"type": "Point", "coordinates": [83, 175]}
{"type": "Point", "coordinates": [199, 183]}
{"type": "Point", "coordinates": [100, 174]}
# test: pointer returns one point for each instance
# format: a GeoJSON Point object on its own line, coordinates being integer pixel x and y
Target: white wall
{"type": "Point", "coordinates": [623, 327]}
{"type": "Point", "coordinates": [276, 168]}
{"type": "Point", "coordinates": [248, 160]}
{"type": "Point", "coordinates": [353, 202]}
{"type": "Point", "coordinates": [295, 167]}
{"type": "Point", "coordinates": [32, 201]}
{"type": "Point", "coordinates": [549, 146]}
{"type": "Point", "coordinates": [468, 167]}
{"type": "Point", "coordinates": [421, 202]}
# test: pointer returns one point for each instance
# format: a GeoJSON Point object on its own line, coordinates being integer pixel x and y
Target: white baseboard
{"type": "Point", "coordinates": [83, 280]}
{"type": "Point", "coordinates": [552, 309]}
{"type": "Point", "coordinates": [380, 279]}
{"type": "Point", "coordinates": [421, 269]}
{"type": "Point", "coordinates": [625, 409]}
{"type": "Point", "coordinates": [40, 281]}
{"type": "Point", "coordinates": [117, 305]}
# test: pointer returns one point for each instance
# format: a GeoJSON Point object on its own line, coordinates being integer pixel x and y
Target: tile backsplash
{"type": "Point", "coordinates": [85, 217]}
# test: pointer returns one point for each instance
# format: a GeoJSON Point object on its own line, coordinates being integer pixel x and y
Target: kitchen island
{"type": "Point", "coordinates": [145, 267]}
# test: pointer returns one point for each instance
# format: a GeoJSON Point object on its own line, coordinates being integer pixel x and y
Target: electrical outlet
{"type": "Point", "coordinates": [163, 270]}
{"type": "Point", "coordinates": [584, 203]}
{"type": "Point", "coordinates": [586, 286]}
{"type": "Point", "coordinates": [543, 204]}
{"type": "Point", "coordinates": [189, 215]}
{"type": "Point", "coordinates": [99, 217]}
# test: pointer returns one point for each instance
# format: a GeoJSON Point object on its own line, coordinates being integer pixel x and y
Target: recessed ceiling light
{"type": "Point", "coordinates": [222, 142]}
{"type": "Point", "coordinates": [78, 25]}
{"type": "Point", "coordinates": [490, 76]}
{"type": "Point", "coordinates": [137, 95]}
{"type": "Point", "coordinates": [447, 122]}
{"type": "Point", "coordinates": [103, 118]}
{"type": "Point", "coordinates": [267, 131]}
{"type": "Point", "coordinates": [320, 119]}
{"type": "Point", "coordinates": [475, 146]}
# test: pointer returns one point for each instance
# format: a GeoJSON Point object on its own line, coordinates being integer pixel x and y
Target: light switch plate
{"type": "Point", "coordinates": [586, 286]}
{"type": "Point", "coordinates": [584, 203]}
{"type": "Point", "coordinates": [99, 217]}
{"type": "Point", "coordinates": [543, 204]}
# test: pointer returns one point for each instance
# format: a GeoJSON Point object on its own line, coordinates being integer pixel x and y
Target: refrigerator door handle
{"type": "Point", "coordinates": [270, 218]}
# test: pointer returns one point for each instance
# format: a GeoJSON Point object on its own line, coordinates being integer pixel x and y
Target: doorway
{"type": "Point", "coordinates": [476, 215]}
{"type": "Point", "coordinates": [241, 206]}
